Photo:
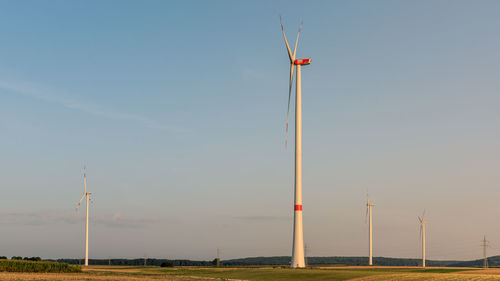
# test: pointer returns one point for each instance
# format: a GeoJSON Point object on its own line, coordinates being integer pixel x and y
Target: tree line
{"type": "Point", "coordinates": [21, 258]}
{"type": "Point", "coordinates": [139, 262]}
{"type": "Point", "coordinates": [276, 261]}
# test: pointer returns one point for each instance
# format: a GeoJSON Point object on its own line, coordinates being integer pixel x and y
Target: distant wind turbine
{"type": "Point", "coordinates": [298, 235]}
{"type": "Point", "coordinates": [369, 213]}
{"type": "Point", "coordinates": [422, 235]}
{"type": "Point", "coordinates": [86, 195]}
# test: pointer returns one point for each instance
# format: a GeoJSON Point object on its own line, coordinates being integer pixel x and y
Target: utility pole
{"type": "Point", "coordinates": [218, 258]}
{"type": "Point", "coordinates": [485, 244]}
{"type": "Point", "coordinates": [109, 260]}
{"type": "Point", "coordinates": [145, 259]}
{"type": "Point", "coordinates": [305, 254]}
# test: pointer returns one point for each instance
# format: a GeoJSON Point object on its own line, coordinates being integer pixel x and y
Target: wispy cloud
{"type": "Point", "coordinates": [57, 217]}
{"type": "Point", "coordinates": [262, 218]}
{"type": "Point", "coordinates": [37, 92]}
{"type": "Point", "coordinates": [118, 220]}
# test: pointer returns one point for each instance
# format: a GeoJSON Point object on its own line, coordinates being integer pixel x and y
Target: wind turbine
{"type": "Point", "coordinates": [298, 236]}
{"type": "Point", "coordinates": [369, 212]}
{"type": "Point", "coordinates": [422, 235]}
{"type": "Point", "coordinates": [86, 195]}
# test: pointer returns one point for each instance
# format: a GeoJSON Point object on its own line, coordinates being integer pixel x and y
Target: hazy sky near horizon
{"type": "Point", "coordinates": [178, 110]}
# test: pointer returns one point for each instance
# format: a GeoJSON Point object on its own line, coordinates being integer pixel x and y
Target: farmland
{"type": "Point", "coordinates": [261, 273]}
{"type": "Point", "coordinates": [37, 267]}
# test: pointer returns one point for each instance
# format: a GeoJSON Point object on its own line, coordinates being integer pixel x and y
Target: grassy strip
{"type": "Point", "coordinates": [275, 274]}
{"type": "Point", "coordinates": [31, 266]}
{"type": "Point", "coordinates": [412, 270]}
{"type": "Point", "coordinates": [272, 274]}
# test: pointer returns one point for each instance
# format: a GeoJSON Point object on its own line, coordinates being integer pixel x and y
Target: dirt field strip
{"type": "Point", "coordinates": [427, 276]}
{"type": "Point", "coordinates": [131, 273]}
{"type": "Point", "coordinates": [10, 276]}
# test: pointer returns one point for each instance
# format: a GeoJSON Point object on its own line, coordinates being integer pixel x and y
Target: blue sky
{"type": "Point", "coordinates": [178, 110]}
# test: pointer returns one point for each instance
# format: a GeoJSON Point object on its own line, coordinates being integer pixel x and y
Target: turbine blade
{"type": "Point", "coordinates": [420, 234]}
{"type": "Point", "coordinates": [84, 180]}
{"type": "Point", "coordinates": [420, 219]}
{"type": "Point", "coordinates": [423, 215]}
{"type": "Point", "coordinates": [286, 42]}
{"type": "Point", "coordinates": [297, 41]}
{"type": "Point", "coordinates": [366, 214]}
{"type": "Point", "coordinates": [79, 203]}
{"type": "Point", "coordinates": [289, 98]}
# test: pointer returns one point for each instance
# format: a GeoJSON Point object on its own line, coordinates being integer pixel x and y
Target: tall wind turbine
{"type": "Point", "coordinates": [422, 235]}
{"type": "Point", "coordinates": [369, 212]}
{"type": "Point", "coordinates": [298, 236]}
{"type": "Point", "coordinates": [86, 195]}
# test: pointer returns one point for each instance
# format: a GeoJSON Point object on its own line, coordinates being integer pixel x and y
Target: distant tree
{"type": "Point", "coordinates": [3, 257]}
{"type": "Point", "coordinates": [32, 259]}
{"type": "Point", "coordinates": [17, 258]}
{"type": "Point", "coordinates": [167, 264]}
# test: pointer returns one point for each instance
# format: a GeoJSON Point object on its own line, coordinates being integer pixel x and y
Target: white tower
{"type": "Point", "coordinates": [369, 210]}
{"type": "Point", "coordinates": [422, 234]}
{"type": "Point", "coordinates": [298, 260]}
{"type": "Point", "coordinates": [86, 195]}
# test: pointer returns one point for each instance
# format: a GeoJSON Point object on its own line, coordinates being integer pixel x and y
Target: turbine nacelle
{"type": "Point", "coordinates": [302, 61]}
{"type": "Point", "coordinates": [421, 218]}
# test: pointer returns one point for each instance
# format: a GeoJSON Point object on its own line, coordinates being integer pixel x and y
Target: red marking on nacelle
{"type": "Point", "coordinates": [302, 61]}
{"type": "Point", "coordinates": [298, 207]}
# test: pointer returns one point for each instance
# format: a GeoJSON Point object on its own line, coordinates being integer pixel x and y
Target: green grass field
{"type": "Point", "coordinates": [279, 274]}
{"type": "Point", "coordinates": [38, 266]}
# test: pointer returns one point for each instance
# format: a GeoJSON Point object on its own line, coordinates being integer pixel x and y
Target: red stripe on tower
{"type": "Point", "coordinates": [298, 207]}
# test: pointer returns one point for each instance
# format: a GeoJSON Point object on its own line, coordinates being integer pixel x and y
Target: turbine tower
{"type": "Point", "coordinates": [422, 235]}
{"type": "Point", "coordinates": [369, 212]}
{"type": "Point", "coordinates": [298, 260]}
{"type": "Point", "coordinates": [86, 195]}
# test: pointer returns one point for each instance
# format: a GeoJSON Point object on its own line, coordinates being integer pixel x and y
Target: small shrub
{"type": "Point", "coordinates": [32, 259]}
{"type": "Point", "coordinates": [167, 264]}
